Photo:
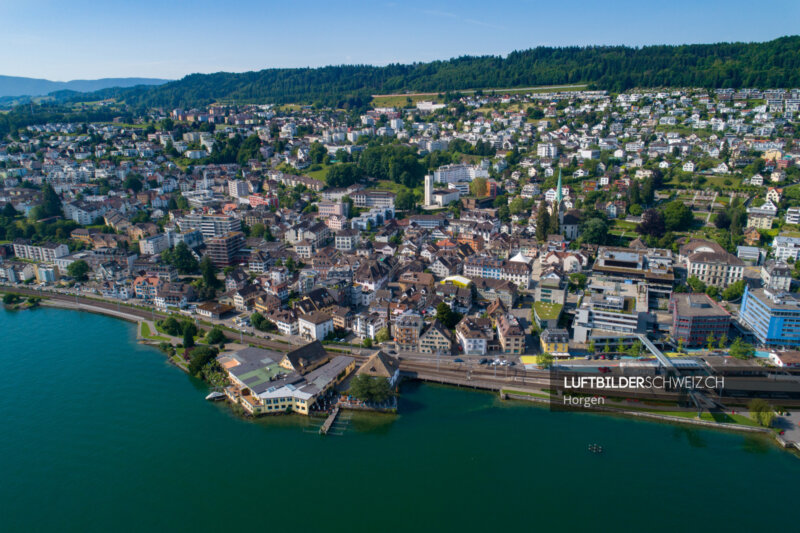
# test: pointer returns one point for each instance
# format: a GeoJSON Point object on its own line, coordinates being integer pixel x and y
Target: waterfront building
{"type": "Point", "coordinates": [436, 339]}
{"type": "Point", "coordinates": [407, 329]}
{"type": "Point", "coordinates": [773, 316]}
{"type": "Point", "coordinates": [510, 335]}
{"type": "Point", "coordinates": [612, 310]}
{"type": "Point", "coordinates": [261, 384]}
{"type": "Point", "coordinates": [381, 365]}
{"type": "Point", "coordinates": [46, 252]}
{"type": "Point", "coordinates": [315, 325]}
{"type": "Point", "coordinates": [696, 317]}
{"type": "Point", "coordinates": [555, 342]}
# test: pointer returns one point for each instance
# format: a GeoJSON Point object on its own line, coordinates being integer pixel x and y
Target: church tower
{"type": "Point", "coordinates": [559, 208]}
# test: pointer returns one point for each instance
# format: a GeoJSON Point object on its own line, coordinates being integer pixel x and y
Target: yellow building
{"type": "Point", "coordinates": [555, 342]}
{"type": "Point", "coordinates": [759, 221]}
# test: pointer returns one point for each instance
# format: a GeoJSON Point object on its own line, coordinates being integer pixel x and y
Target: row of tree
{"type": "Point", "coordinates": [770, 64]}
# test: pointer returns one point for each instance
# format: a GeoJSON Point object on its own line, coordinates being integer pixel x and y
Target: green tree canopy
{"type": "Point", "coordinates": [370, 389]}
{"type": "Point", "coordinates": [79, 270]}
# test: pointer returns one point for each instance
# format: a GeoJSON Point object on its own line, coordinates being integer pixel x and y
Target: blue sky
{"type": "Point", "coordinates": [62, 40]}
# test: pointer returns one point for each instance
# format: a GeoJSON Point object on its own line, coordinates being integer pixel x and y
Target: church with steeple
{"type": "Point", "coordinates": [557, 207]}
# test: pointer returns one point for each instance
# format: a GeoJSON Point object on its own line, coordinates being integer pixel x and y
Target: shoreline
{"type": "Point", "coordinates": [503, 393]}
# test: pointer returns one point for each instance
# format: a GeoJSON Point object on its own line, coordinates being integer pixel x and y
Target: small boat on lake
{"type": "Point", "coordinates": [215, 396]}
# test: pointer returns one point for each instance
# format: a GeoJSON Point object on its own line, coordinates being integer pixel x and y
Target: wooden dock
{"type": "Point", "coordinates": [326, 426]}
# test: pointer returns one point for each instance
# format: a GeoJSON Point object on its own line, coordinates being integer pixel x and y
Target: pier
{"type": "Point", "coordinates": [326, 426]}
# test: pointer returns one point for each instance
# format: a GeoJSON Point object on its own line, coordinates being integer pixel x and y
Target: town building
{"type": "Point", "coordinates": [696, 318]}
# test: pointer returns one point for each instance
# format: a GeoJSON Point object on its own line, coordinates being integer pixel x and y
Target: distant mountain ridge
{"type": "Point", "coordinates": [19, 86]}
{"type": "Point", "coordinates": [769, 64]}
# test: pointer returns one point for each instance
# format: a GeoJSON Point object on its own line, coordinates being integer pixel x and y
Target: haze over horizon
{"type": "Point", "coordinates": [173, 39]}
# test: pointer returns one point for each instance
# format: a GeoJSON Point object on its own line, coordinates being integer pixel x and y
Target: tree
{"type": "Point", "coordinates": [172, 327]}
{"type": "Point", "coordinates": [343, 175]}
{"type": "Point", "coordinates": [189, 331]}
{"type": "Point", "coordinates": [723, 220]}
{"type": "Point", "coordinates": [258, 230]}
{"type": "Point", "coordinates": [652, 223]}
{"type": "Point", "coordinates": [10, 299]}
{"type": "Point", "coordinates": [545, 360]}
{"type": "Point", "coordinates": [636, 348]}
{"type": "Point", "coordinates": [761, 411]}
{"type": "Point", "coordinates": [370, 389]}
{"type": "Point", "coordinates": [680, 345]}
{"type": "Point", "coordinates": [405, 200]}
{"type": "Point", "coordinates": [215, 336]}
{"type": "Point", "coordinates": [591, 346]}
{"type": "Point", "coordinates": [517, 206]}
{"type": "Point", "coordinates": [696, 285]}
{"type": "Point", "coordinates": [181, 258]}
{"type": "Point", "coordinates": [710, 342]}
{"type": "Point", "coordinates": [133, 182]}
{"type": "Point", "coordinates": [382, 335]}
{"type": "Point", "coordinates": [577, 281]}
{"type": "Point", "coordinates": [209, 273]}
{"type": "Point", "coordinates": [734, 291]}
{"type": "Point", "coordinates": [723, 341]}
{"type": "Point", "coordinates": [79, 270]}
{"type": "Point", "coordinates": [678, 216]}
{"type": "Point", "coordinates": [478, 187]}
{"type": "Point", "coordinates": [595, 231]}
{"type": "Point", "coordinates": [261, 323]}
{"type": "Point", "coordinates": [51, 203]}
{"type": "Point", "coordinates": [201, 356]}
{"type": "Point", "coordinates": [741, 350]}
{"type": "Point", "coordinates": [9, 211]}
{"type": "Point", "coordinates": [447, 316]}
{"type": "Point", "coordinates": [317, 152]}
{"type": "Point", "coordinates": [542, 222]}
{"type": "Point", "coordinates": [367, 342]}
{"type": "Point", "coordinates": [553, 227]}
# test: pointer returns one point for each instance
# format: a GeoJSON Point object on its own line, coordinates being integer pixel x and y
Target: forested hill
{"type": "Point", "coordinates": [770, 64]}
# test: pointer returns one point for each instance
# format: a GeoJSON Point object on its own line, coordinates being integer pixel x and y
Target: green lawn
{"type": "Point", "coordinates": [526, 393]}
{"type": "Point", "coordinates": [547, 311]}
{"type": "Point", "coordinates": [725, 418]}
{"type": "Point", "coordinates": [318, 175]}
{"type": "Point", "coordinates": [623, 225]}
{"type": "Point", "coordinates": [401, 100]}
{"type": "Point", "coordinates": [148, 335]}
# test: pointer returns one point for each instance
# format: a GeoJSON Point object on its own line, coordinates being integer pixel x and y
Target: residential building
{"type": "Point", "coordinates": [46, 252]}
{"type": "Point", "coordinates": [224, 250]}
{"type": "Point", "coordinates": [154, 245]}
{"type": "Point", "coordinates": [555, 342]}
{"type": "Point", "coordinates": [407, 329]}
{"type": "Point", "coordinates": [776, 276]}
{"type": "Point", "coordinates": [436, 339]}
{"type": "Point", "coordinates": [476, 336]}
{"type": "Point", "coordinates": [785, 248]}
{"type": "Point", "coordinates": [510, 335]}
{"type": "Point", "coordinates": [315, 326]}
{"type": "Point", "coordinates": [210, 225]}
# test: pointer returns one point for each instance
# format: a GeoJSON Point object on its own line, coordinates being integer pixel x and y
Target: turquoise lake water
{"type": "Point", "coordinates": [102, 434]}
